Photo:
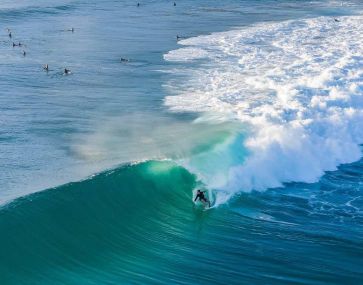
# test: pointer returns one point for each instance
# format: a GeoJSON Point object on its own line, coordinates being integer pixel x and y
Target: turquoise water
{"type": "Point", "coordinates": [256, 103]}
{"type": "Point", "coordinates": [138, 225]}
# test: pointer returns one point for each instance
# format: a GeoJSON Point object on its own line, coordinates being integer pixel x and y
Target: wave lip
{"type": "Point", "coordinates": [296, 84]}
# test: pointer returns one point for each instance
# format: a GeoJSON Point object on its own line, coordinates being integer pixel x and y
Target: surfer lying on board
{"type": "Point", "coordinates": [201, 197]}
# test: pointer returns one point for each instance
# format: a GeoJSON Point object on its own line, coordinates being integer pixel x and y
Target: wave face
{"type": "Point", "coordinates": [103, 227]}
{"type": "Point", "coordinates": [295, 85]}
{"type": "Point", "coordinates": [137, 225]}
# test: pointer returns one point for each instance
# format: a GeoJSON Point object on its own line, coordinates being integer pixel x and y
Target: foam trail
{"type": "Point", "coordinates": [296, 84]}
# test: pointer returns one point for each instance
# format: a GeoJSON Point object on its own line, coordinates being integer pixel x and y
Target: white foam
{"type": "Point", "coordinates": [189, 53]}
{"type": "Point", "coordinates": [298, 84]}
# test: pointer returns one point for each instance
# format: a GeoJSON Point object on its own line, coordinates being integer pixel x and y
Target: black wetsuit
{"type": "Point", "coordinates": [201, 197]}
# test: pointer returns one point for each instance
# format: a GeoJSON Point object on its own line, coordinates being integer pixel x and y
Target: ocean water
{"type": "Point", "coordinates": [258, 102]}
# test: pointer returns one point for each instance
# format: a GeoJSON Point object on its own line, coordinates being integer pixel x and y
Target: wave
{"type": "Point", "coordinates": [14, 12]}
{"type": "Point", "coordinates": [296, 86]}
{"type": "Point", "coordinates": [137, 224]}
{"type": "Point", "coordinates": [88, 226]}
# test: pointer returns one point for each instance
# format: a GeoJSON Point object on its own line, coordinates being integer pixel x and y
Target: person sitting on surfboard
{"type": "Point", "coordinates": [201, 197]}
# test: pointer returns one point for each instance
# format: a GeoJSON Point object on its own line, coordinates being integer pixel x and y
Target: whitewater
{"type": "Point", "coordinates": [296, 86]}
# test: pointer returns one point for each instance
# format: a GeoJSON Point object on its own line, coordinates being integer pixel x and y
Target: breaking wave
{"type": "Point", "coordinates": [295, 86]}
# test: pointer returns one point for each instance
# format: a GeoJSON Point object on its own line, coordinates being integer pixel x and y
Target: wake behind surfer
{"type": "Point", "coordinates": [201, 197]}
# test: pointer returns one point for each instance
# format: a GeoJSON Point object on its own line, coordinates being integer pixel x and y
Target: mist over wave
{"type": "Point", "coordinates": [295, 85]}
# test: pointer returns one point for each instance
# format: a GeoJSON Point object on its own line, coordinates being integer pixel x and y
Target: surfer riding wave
{"type": "Point", "coordinates": [201, 197]}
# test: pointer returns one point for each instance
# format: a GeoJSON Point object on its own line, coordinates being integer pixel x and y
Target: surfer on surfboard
{"type": "Point", "coordinates": [201, 197]}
